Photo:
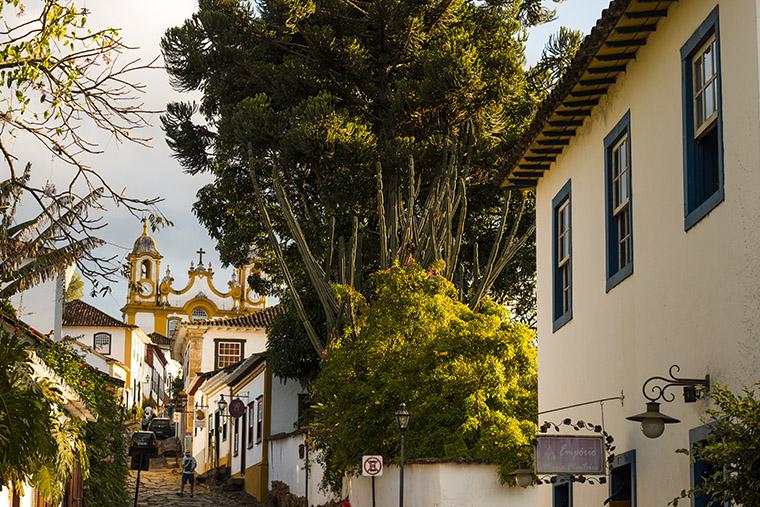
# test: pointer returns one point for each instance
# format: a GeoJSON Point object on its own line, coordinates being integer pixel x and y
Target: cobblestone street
{"type": "Point", "coordinates": [159, 486]}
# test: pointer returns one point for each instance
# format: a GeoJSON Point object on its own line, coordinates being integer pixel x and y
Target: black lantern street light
{"type": "Point", "coordinates": [222, 405]}
{"type": "Point", "coordinates": [653, 421]}
{"type": "Point", "coordinates": [402, 418]}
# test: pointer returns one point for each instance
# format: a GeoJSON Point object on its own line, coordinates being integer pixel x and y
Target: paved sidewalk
{"type": "Point", "coordinates": [159, 488]}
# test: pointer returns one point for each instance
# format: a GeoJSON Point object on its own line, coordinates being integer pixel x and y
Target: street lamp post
{"type": "Point", "coordinates": [402, 418]}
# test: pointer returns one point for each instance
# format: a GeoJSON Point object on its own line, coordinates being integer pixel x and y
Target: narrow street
{"type": "Point", "coordinates": [159, 486]}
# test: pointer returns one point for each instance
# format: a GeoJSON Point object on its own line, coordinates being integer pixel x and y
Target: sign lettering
{"type": "Point", "coordinates": [565, 454]}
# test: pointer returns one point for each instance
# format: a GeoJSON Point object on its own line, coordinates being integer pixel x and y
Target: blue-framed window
{"type": "Point", "coordinates": [619, 210]}
{"type": "Point", "coordinates": [562, 492]}
{"type": "Point", "coordinates": [702, 121]}
{"type": "Point", "coordinates": [701, 469]}
{"type": "Point", "coordinates": [562, 265]}
{"type": "Point", "coordinates": [623, 480]}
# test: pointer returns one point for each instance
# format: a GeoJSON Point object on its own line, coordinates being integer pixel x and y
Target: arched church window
{"type": "Point", "coordinates": [199, 314]}
{"type": "Point", "coordinates": [145, 269]}
{"type": "Point", "coordinates": [171, 326]}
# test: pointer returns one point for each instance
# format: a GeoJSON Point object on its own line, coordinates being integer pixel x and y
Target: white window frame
{"type": "Point", "coordinates": [195, 318]}
{"type": "Point", "coordinates": [228, 355]}
{"type": "Point", "coordinates": [620, 177]}
{"type": "Point", "coordinates": [563, 251]}
{"type": "Point", "coordinates": [699, 92]}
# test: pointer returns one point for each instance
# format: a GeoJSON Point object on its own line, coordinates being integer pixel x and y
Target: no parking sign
{"type": "Point", "coordinates": [372, 466]}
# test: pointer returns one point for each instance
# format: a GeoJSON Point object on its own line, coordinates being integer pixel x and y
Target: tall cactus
{"type": "Point", "coordinates": [425, 232]}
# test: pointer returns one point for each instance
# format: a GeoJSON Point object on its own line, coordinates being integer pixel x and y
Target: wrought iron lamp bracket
{"type": "Point", "coordinates": [694, 388]}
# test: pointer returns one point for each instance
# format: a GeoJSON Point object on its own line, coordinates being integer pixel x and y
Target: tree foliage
{"type": "Point", "coordinates": [468, 377]}
{"type": "Point", "coordinates": [60, 81]}
{"type": "Point", "coordinates": [322, 92]}
{"type": "Point", "coordinates": [555, 59]}
{"type": "Point", "coordinates": [731, 450]}
{"type": "Point", "coordinates": [105, 438]}
{"type": "Point", "coordinates": [37, 446]}
{"type": "Point", "coordinates": [75, 288]}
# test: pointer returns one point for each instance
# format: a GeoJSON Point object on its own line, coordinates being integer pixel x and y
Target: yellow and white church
{"type": "Point", "coordinates": [157, 306]}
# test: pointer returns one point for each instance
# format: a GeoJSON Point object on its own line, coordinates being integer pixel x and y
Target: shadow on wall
{"type": "Point", "coordinates": [281, 496]}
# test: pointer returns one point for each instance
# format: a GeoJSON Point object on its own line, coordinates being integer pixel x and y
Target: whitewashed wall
{"type": "Point", "coordinates": [224, 445]}
{"type": "Point", "coordinates": [441, 485]}
{"type": "Point", "coordinates": [200, 435]}
{"type": "Point", "coordinates": [27, 500]}
{"type": "Point", "coordinates": [138, 368]}
{"type": "Point", "coordinates": [253, 455]}
{"type": "Point", "coordinates": [255, 341]}
{"type": "Point", "coordinates": [286, 466]}
{"type": "Point", "coordinates": [41, 306]}
{"type": "Point", "coordinates": [85, 335]}
{"type": "Point", "coordinates": [147, 322]}
{"type": "Point", "coordinates": [284, 405]}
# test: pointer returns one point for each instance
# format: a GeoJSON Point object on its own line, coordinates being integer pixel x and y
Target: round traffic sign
{"type": "Point", "coordinates": [372, 466]}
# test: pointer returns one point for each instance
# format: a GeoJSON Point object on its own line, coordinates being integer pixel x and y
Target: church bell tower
{"type": "Point", "coordinates": [145, 265]}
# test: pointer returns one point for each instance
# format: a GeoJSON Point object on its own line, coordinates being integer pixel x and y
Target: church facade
{"type": "Point", "coordinates": [157, 305]}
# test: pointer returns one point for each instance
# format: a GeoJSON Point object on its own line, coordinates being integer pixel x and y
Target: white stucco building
{"type": "Point", "coordinates": [645, 162]}
{"type": "Point", "coordinates": [124, 347]}
{"type": "Point", "coordinates": [204, 348]}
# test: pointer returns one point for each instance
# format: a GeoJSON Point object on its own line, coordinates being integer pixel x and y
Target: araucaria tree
{"type": "Point", "coordinates": [305, 99]}
{"type": "Point", "coordinates": [468, 377]}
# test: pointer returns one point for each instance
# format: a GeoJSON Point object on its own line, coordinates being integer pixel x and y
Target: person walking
{"type": "Point", "coordinates": [188, 474]}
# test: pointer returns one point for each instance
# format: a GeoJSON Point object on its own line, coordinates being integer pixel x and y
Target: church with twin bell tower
{"type": "Point", "coordinates": [156, 305]}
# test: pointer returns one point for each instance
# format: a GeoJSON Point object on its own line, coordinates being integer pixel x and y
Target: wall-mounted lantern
{"type": "Point", "coordinates": [653, 421]}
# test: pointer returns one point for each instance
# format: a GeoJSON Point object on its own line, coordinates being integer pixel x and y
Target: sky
{"type": "Point", "coordinates": [151, 171]}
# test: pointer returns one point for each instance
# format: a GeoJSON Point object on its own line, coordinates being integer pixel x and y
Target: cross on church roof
{"type": "Point", "coordinates": [200, 253]}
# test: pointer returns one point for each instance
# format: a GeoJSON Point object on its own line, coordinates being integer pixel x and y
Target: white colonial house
{"type": "Point", "coordinates": [105, 339]}
{"type": "Point", "coordinates": [210, 345]}
{"type": "Point", "coordinates": [644, 161]}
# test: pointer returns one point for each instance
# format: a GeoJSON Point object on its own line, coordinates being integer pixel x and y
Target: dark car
{"type": "Point", "coordinates": [142, 441]}
{"type": "Point", "coordinates": [162, 427]}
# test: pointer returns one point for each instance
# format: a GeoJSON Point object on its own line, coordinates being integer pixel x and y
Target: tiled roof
{"type": "Point", "coordinates": [159, 339]}
{"type": "Point", "coordinates": [262, 318]}
{"type": "Point", "coordinates": [623, 28]}
{"type": "Point", "coordinates": [77, 313]}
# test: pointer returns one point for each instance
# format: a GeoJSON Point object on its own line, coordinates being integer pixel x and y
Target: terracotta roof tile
{"type": "Point", "coordinates": [159, 339]}
{"type": "Point", "coordinates": [77, 313]}
{"type": "Point", "coordinates": [261, 318]}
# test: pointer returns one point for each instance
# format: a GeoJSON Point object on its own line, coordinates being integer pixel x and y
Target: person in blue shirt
{"type": "Point", "coordinates": [188, 474]}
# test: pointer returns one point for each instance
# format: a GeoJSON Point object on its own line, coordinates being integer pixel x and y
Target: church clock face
{"type": "Point", "coordinates": [146, 288]}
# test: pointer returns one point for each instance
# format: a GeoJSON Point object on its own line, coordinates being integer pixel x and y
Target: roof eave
{"type": "Point", "coordinates": [623, 28]}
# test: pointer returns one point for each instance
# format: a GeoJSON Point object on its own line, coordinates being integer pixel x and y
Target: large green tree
{"type": "Point", "coordinates": [468, 378]}
{"type": "Point", "coordinates": [320, 92]}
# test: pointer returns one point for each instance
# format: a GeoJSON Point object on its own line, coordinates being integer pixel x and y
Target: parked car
{"type": "Point", "coordinates": [143, 441]}
{"type": "Point", "coordinates": [162, 427]}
